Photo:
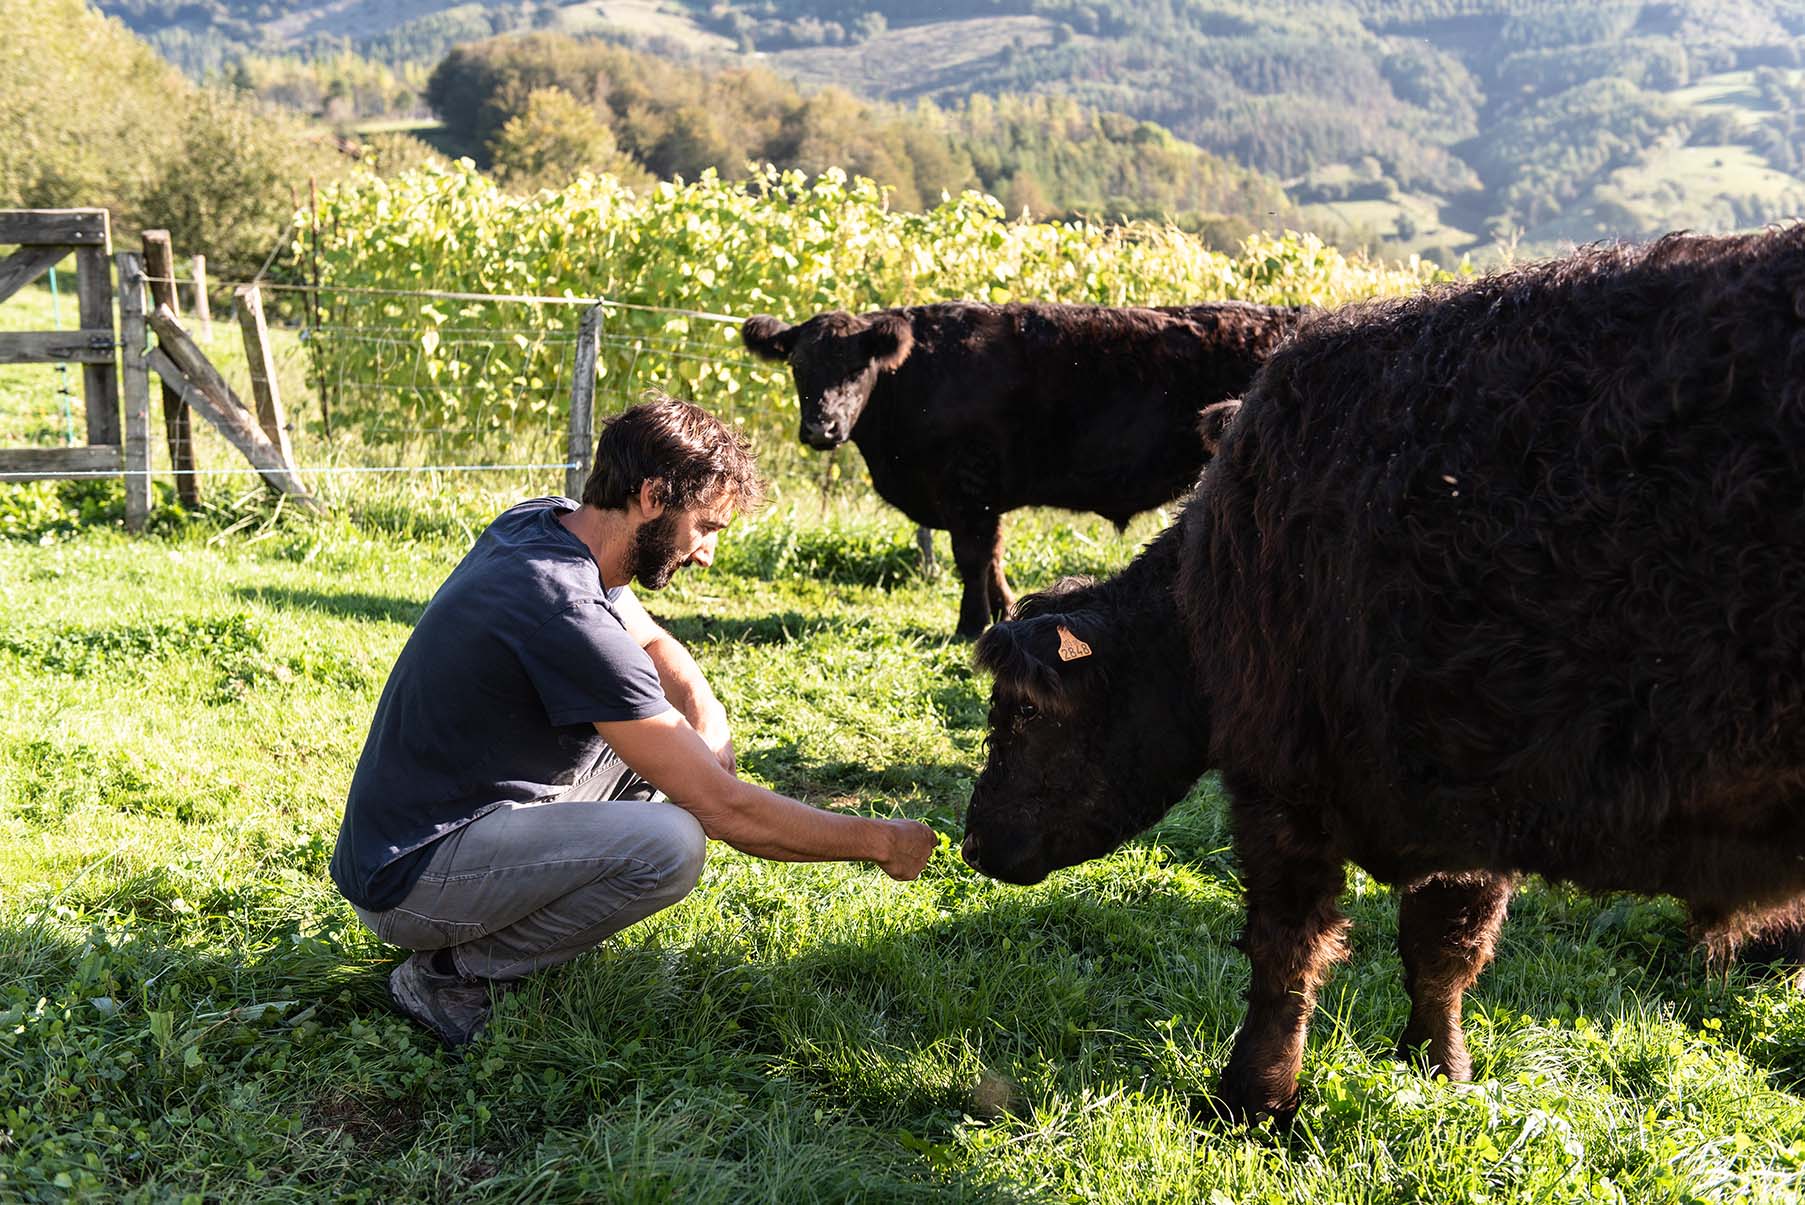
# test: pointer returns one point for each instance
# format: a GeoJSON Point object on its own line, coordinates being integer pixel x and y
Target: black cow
{"type": "Point", "coordinates": [966, 411]}
{"type": "Point", "coordinates": [1505, 578]}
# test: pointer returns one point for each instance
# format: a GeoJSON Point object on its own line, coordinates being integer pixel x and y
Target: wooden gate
{"type": "Point", "coordinates": [43, 238]}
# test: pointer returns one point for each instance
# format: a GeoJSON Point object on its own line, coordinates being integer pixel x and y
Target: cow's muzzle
{"type": "Point", "coordinates": [823, 439]}
{"type": "Point", "coordinates": [1021, 865]}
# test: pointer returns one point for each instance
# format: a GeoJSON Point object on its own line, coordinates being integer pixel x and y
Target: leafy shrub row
{"type": "Point", "coordinates": [776, 242]}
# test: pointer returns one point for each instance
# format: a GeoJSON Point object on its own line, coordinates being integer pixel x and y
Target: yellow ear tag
{"type": "Point", "coordinates": [1070, 647]}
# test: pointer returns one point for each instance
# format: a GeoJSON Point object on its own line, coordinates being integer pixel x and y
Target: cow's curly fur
{"type": "Point", "coordinates": [1510, 577]}
{"type": "Point", "coordinates": [1504, 578]}
{"type": "Point", "coordinates": [1511, 574]}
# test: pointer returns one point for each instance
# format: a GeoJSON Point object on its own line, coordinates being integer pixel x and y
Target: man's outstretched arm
{"type": "Point", "coordinates": [680, 677]}
{"type": "Point", "coordinates": [667, 752]}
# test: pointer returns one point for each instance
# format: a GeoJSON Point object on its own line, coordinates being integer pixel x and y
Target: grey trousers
{"type": "Point", "coordinates": [530, 885]}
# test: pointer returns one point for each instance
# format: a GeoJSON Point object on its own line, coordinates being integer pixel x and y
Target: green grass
{"type": "Point", "coordinates": [1734, 91]}
{"type": "Point", "coordinates": [1375, 223]}
{"type": "Point", "coordinates": [190, 1011]}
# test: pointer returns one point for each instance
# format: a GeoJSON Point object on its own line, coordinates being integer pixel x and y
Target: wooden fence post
{"type": "Point", "coordinates": [100, 382]}
{"type": "Point", "coordinates": [203, 309]}
{"type": "Point", "coordinates": [135, 373]}
{"type": "Point", "coordinates": [263, 370]}
{"type": "Point", "coordinates": [581, 446]}
{"type": "Point", "coordinates": [159, 266]}
{"type": "Point", "coordinates": [185, 367]}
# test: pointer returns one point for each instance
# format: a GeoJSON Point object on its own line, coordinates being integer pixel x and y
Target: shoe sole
{"type": "Point", "coordinates": [400, 1008]}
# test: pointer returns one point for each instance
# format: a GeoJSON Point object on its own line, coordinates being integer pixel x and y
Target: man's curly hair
{"type": "Point", "coordinates": [695, 457]}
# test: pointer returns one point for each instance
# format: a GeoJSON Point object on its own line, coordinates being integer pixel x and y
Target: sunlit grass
{"type": "Point", "coordinates": [189, 1007]}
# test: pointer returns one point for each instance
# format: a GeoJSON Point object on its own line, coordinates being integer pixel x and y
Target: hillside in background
{"type": "Point", "coordinates": [540, 107]}
{"type": "Point", "coordinates": [1431, 125]}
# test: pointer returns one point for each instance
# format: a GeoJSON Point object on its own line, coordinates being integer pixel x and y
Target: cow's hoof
{"type": "Point", "coordinates": [1454, 1063]}
{"type": "Point", "coordinates": [1214, 1111]}
{"type": "Point", "coordinates": [1248, 1105]}
{"type": "Point", "coordinates": [1779, 950]}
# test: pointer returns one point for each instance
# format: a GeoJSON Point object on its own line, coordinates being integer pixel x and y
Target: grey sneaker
{"type": "Point", "coordinates": [454, 1008]}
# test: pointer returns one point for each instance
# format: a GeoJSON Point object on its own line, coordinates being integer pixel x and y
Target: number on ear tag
{"type": "Point", "coordinates": [1070, 647]}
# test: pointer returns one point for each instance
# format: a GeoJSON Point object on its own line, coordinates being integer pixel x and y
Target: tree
{"type": "Point", "coordinates": [554, 138]}
{"type": "Point", "coordinates": [1023, 194]}
{"type": "Point", "coordinates": [227, 187]}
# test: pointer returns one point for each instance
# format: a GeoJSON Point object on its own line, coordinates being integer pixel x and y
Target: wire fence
{"type": "Point", "coordinates": [429, 385]}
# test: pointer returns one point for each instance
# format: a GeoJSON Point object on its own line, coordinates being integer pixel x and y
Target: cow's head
{"type": "Point", "coordinates": [835, 359]}
{"type": "Point", "coordinates": [1096, 725]}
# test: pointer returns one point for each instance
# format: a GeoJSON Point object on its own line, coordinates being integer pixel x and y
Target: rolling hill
{"type": "Point", "coordinates": [1426, 125]}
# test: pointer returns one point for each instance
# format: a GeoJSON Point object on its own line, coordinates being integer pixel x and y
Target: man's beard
{"type": "Point", "coordinates": [655, 559]}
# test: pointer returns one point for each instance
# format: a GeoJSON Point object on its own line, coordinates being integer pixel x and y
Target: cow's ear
{"type": "Point", "coordinates": [888, 341]}
{"type": "Point", "coordinates": [767, 337]}
{"type": "Point", "coordinates": [1038, 658]}
{"type": "Point", "coordinates": [1213, 423]}
{"type": "Point", "coordinates": [1007, 650]}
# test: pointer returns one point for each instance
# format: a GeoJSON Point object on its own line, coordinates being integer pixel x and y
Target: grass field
{"type": "Point", "coordinates": [934, 58]}
{"type": "Point", "coordinates": [1730, 91]}
{"type": "Point", "coordinates": [642, 18]}
{"type": "Point", "coordinates": [189, 1012]}
{"type": "Point", "coordinates": [1375, 224]}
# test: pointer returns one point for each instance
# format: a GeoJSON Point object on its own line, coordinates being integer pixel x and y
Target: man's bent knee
{"type": "Point", "coordinates": [675, 846]}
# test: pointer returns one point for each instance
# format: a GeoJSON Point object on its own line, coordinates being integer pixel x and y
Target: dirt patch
{"type": "Point", "coordinates": [377, 1126]}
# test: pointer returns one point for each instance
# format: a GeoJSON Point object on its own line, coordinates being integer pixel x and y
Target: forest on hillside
{"type": "Point", "coordinates": [540, 107]}
{"type": "Point", "coordinates": [1431, 125]}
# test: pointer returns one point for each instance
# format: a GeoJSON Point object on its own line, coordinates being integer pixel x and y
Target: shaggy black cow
{"type": "Point", "coordinates": [966, 411]}
{"type": "Point", "coordinates": [1508, 577]}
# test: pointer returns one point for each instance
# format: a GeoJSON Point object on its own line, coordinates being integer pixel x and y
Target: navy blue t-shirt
{"type": "Point", "coordinates": [492, 700]}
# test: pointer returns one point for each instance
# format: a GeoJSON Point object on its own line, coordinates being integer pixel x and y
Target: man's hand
{"type": "Point", "coordinates": [912, 843]}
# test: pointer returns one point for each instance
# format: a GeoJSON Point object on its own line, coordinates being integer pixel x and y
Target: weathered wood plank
{"type": "Point", "coordinates": [43, 464]}
{"type": "Point", "coordinates": [56, 347]}
{"type": "Point", "coordinates": [100, 381]}
{"type": "Point", "coordinates": [60, 227]}
{"type": "Point", "coordinates": [159, 267]}
{"type": "Point", "coordinates": [134, 373]}
{"type": "Point", "coordinates": [263, 371]}
{"type": "Point", "coordinates": [180, 362]}
{"type": "Point", "coordinates": [26, 265]}
{"type": "Point", "coordinates": [203, 308]}
{"type": "Point", "coordinates": [581, 444]}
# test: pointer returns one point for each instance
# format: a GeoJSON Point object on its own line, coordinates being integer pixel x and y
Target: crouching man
{"type": "Point", "coordinates": [546, 764]}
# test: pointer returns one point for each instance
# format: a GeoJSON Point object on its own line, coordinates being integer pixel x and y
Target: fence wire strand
{"type": "Point", "coordinates": [503, 374]}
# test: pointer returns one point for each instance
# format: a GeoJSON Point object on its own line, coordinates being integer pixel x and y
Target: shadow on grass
{"type": "Point", "coordinates": [947, 785]}
{"type": "Point", "coordinates": [710, 1056]}
{"type": "Point", "coordinates": [192, 1023]}
{"type": "Point", "coordinates": [992, 1010]}
{"type": "Point", "coordinates": [384, 608]}
{"type": "Point", "coordinates": [790, 627]}
{"type": "Point", "coordinates": [779, 627]}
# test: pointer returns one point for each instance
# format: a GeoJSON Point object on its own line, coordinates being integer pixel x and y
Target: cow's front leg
{"type": "Point", "coordinates": [1001, 597]}
{"type": "Point", "coordinates": [1295, 932]}
{"type": "Point", "coordinates": [924, 544]}
{"type": "Point", "coordinates": [975, 549]}
{"type": "Point", "coordinates": [1780, 944]}
{"type": "Point", "coordinates": [1447, 927]}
